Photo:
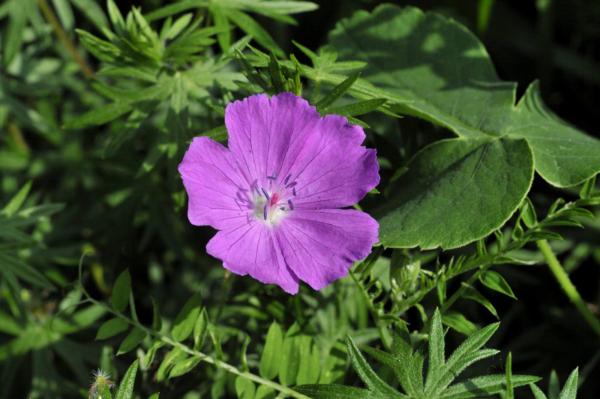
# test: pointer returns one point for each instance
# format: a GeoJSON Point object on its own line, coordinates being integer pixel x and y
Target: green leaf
{"type": "Point", "coordinates": [121, 291]}
{"type": "Point", "coordinates": [291, 361]}
{"type": "Point", "coordinates": [17, 200]}
{"type": "Point", "coordinates": [437, 357]}
{"type": "Point", "coordinates": [200, 329]}
{"type": "Point", "coordinates": [569, 391]}
{"type": "Point", "coordinates": [92, 11]}
{"type": "Point", "coordinates": [496, 282]}
{"type": "Point", "coordinates": [488, 385]}
{"type": "Point", "coordinates": [151, 354]}
{"type": "Point", "coordinates": [432, 67]}
{"type": "Point", "coordinates": [553, 385]}
{"type": "Point", "coordinates": [465, 355]}
{"type": "Point", "coordinates": [115, 17]}
{"type": "Point", "coordinates": [407, 368]}
{"type": "Point", "coordinates": [179, 98]}
{"type": "Point", "coordinates": [474, 295]}
{"type": "Point", "coordinates": [472, 185]}
{"type": "Point", "coordinates": [12, 37]}
{"type": "Point", "coordinates": [588, 188]}
{"type": "Point", "coordinates": [99, 116]}
{"type": "Point", "coordinates": [178, 26]}
{"type": "Point", "coordinates": [126, 387]}
{"type": "Point", "coordinates": [111, 327]}
{"type": "Point", "coordinates": [183, 326]}
{"type": "Point", "coordinates": [270, 360]}
{"type": "Point", "coordinates": [337, 92]}
{"type": "Point", "coordinates": [528, 214]}
{"type": "Point", "coordinates": [459, 323]}
{"type": "Point", "coordinates": [244, 388]}
{"type": "Point", "coordinates": [175, 356]}
{"type": "Point", "coordinates": [358, 108]}
{"type": "Point", "coordinates": [252, 28]}
{"type": "Point", "coordinates": [366, 373]}
{"type": "Point", "coordinates": [184, 367]}
{"type": "Point", "coordinates": [264, 392]}
{"type": "Point", "coordinates": [537, 393]}
{"type": "Point", "coordinates": [65, 13]}
{"type": "Point", "coordinates": [24, 271]}
{"type": "Point", "coordinates": [132, 340]}
{"type": "Point", "coordinates": [334, 391]}
{"type": "Point", "coordinates": [310, 362]}
{"type": "Point", "coordinates": [223, 28]}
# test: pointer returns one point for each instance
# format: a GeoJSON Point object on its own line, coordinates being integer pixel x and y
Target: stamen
{"type": "Point", "coordinates": [265, 212]}
{"type": "Point", "coordinates": [287, 178]}
{"type": "Point", "coordinates": [254, 186]}
{"type": "Point", "coordinates": [272, 177]}
{"type": "Point", "coordinates": [265, 193]}
{"type": "Point", "coordinates": [291, 205]}
{"type": "Point", "coordinates": [292, 184]}
{"type": "Point", "coordinates": [294, 191]}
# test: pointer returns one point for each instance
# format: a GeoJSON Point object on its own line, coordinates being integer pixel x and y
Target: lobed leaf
{"type": "Point", "coordinates": [366, 373]}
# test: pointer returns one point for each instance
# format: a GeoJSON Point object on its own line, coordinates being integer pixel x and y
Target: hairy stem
{"type": "Point", "coordinates": [64, 38]}
{"type": "Point", "coordinates": [567, 286]}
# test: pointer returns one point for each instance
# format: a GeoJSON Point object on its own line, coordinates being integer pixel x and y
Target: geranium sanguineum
{"type": "Point", "coordinates": [277, 194]}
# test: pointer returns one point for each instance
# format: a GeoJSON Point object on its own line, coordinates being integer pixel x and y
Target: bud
{"type": "Point", "coordinates": [101, 386]}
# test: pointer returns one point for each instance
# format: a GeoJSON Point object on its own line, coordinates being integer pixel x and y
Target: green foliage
{"type": "Point", "coordinates": [441, 372]}
{"type": "Point", "coordinates": [452, 83]}
{"type": "Point", "coordinates": [98, 103]}
{"type": "Point", "coordinates": [569, 391]}
{"type": "Point", "coordinates": [460, 181]}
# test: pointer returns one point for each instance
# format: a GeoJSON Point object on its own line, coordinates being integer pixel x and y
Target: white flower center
{"type": "Point", "coordinates": [271, 205]}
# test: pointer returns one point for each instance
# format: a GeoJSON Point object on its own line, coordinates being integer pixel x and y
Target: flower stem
{"type": "Point", "coordinates": [64, 38]}
{"type": "Point", "coordinates": [567, 286]}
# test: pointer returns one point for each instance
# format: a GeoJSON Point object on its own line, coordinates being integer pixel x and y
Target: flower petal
{"type": "Point", "coordinates": [268, 133]}
{"type": "Point", "coordinates": [321, 245]}
{"type": "Point", "coordinates": [336, 171]}
{"type": "Point", "coordinates": [284, 137]}
{"type": "Point", "coordinates": [214, 185]}
{"type": "Point", "coordinates": [251, 249]}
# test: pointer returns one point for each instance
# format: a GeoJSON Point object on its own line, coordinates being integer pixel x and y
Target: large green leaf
{"type": "Point", "coordinates": [456, 191]}
{"type": "Point", "coordinates": [434, 68]}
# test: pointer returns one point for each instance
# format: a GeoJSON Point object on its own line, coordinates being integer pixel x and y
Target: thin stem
{"type": "Point", "coordinates": [192, 352]}
{"type": "Point", "coordinates": [567, 286]}
{"type": "Point", "coordinates": [384, 334]}
{"type": "Point", "coordinates": [459, 292]}
{"type": "Point", "coordinates": [64, 38]}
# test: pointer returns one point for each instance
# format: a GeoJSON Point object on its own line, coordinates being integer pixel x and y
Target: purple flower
{"type": "Point", "coordinates": [275, 195]}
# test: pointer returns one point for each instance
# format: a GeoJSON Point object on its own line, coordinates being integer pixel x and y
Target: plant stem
{"type": "Point", "coordinates": [384, 334]}
{"type": "Point", "coordinates": [567, 286]}
{"type": "Point", "coordinates": [459, 292]}
{"type": "Point", "coordinates": [234, 370]}
{"type": "Point", "coordinates": [64, 38]}
{"type": "Point", "coordinates": [192, 352]}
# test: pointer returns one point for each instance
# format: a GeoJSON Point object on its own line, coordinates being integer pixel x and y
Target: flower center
{"type": "Point", "coordinates": [273, 203]}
